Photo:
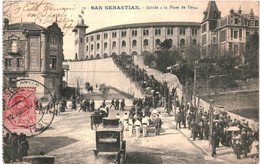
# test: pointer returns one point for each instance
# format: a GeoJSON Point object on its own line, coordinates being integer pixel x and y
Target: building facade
{"type": "Point", "coordinates": [214, 35]}
{"type": "Point", "coordinates": [33, 52]}
{"type": "Point", "coordinates": [228, 34]}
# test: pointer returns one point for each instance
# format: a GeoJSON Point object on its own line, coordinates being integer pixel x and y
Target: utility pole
{"type": "Point", "coordinates": [211, 119]}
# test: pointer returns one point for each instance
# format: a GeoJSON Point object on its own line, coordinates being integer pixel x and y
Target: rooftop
{"type": "Point", "coordinates": [25, 25]}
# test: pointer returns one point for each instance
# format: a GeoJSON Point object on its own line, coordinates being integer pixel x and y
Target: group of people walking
{"type": "Point", "coordinates": [15, 147]}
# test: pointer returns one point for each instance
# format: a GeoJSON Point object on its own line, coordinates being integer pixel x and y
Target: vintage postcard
{"type": "Point", "coordinates": [135, 82]}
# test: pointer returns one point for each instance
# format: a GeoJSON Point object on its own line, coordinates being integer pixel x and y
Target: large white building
{"type": "Point", "coordinates": [214, 35]}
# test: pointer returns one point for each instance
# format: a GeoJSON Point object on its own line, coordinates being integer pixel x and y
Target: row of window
{"type": "Point", "coordinates": [134, 43]}
{"type": "Point", "coordinates": [145, 33]}
{"type": "Point", "coordinates": [20, 63]}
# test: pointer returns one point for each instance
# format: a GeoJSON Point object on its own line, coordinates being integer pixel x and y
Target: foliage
{"type": "Point", "coordinates": [166, 44]}
{"type": "Point", "coordinates": [226, 63]}
{"type": "Point", "coordinates": [148, 58]}
{"type": "Point", "coordinates": [252, 53]}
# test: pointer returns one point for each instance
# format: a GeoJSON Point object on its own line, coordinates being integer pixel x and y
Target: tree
{"type": "Point", "coordinates": [252, 52]}
{"type": "Point", "coordinates": [166, 44]}
{"type": "Point", "coordinates": [227, 62]}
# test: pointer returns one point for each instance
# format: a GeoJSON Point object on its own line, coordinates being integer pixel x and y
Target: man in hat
{"type": "Point", "coordinates": [213, 143]}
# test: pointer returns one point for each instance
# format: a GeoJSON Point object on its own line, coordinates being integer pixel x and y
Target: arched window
{"type": "Point", "coordinates": [194, 42]}
{"type": "Point", "coordinates": [157, 42]}
{"type": "Point", "coordinates": [92, 47]}
{"type": "Point", "coordinates": [170, 40]}
{"type": "Point", "coordinates": [114, 44]}
{"type": "Point", "coordinates": [133, 43]}
{"type": "Point", "coordinates": [98, 56]}
{"type": "Point", "coordinates": [182, 44]}
{"type": "Point", "coordinates": [145, 42]}
{"type": "Point", "coordinates": [86, 48]}
{"type": "Point", "coordinates": [105, 45]}
{"type": "Point", "coordinates": [123, 43]}
{"type": "Point", "coordinates": [98, 46]}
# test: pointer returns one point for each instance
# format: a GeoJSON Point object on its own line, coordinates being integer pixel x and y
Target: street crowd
{"type": "Point", "coordinates": [15, 147]}
{"type": "Point", "coordinates": [228, 132]}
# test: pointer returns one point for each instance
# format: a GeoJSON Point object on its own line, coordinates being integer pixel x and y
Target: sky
{"type": "Point", "coordinates": [67, 13]}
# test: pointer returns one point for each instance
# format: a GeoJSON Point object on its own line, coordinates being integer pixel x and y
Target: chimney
{"type": "Point", "coordinates": [231, 11]}
{"type": "Point", "coordinates": [6, 24]}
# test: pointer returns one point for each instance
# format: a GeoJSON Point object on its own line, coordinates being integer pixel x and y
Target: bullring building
{"type": "Point", "coordinates": [213, 35]}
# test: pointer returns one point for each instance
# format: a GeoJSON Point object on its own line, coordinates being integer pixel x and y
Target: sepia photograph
{"type": "Point", "coordinates": [130, 82]}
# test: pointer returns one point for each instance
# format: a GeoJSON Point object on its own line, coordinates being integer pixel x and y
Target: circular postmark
{"type": "Point", "coordinates": [29, 107]}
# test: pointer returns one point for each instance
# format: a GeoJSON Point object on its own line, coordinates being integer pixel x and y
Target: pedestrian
{"type": "Point", "coordinates": [74, 105]}
{"type": "Point", "coordinates": [130, 126]}
{"type": "Point", "coordinates": [81, 106]}
{"type": "Point", "coordinates": [145, 124]}
{"type": "Point", "coordinates": [238, 149]}
{"type": "Point", "coordinates": [183, 118]}
{"type": "Point", "coordinates": [125, 118]}
{"type": "Point", "coordinates": [137, 127]}
{"type": "Point", "coordinates": [92, 105]}
{"type": "Point", "coordinates": [23, 147]}
{"type": "Point", "coordinates": [193, 129]}
{"type": "Point", "coordinates": [112, 104]}
{"type": "Point", "coordinates": [104, 104]}
{"type": "Point", "coordinates": [178, 120]}
{"type": "Point", "coordinates": [213, 144]}
{"type": "Point", "coordinates": [157, 124]}
{"type": "Point", "coordinates": [87, 105]}
{"type": "Point", "coordinates": [117, 104]}
{"type": "Point", "coordinates": [206, 130]}
{"type": "Point", "coordinates": [122, 105]}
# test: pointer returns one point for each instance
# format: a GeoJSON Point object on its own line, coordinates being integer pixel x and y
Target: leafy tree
{"type": "Point", "coordinates": [227, 62]}
{"type": "Point", "coordinates": [252, 52]}
{"type": "Point", "coordinates": [166, 44]}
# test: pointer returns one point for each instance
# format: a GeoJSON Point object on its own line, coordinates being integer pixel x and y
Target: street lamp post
{"type": "Point", "coordinates": [211, 119]}
{"type": "Point", "coordinates": [194, 88]}
{"type": "Point", "coordinates": [186, 94]}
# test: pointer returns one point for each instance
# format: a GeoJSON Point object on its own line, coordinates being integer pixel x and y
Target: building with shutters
{"type": "Point", "coordinates": [31, 51]}
{"type": "Point", "coordinates": [214, 35]}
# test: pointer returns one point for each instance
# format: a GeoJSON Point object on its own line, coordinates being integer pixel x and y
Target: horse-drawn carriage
{"type": "Point", "coordinates": [96, 118]}
{"type": "Point", "coordinates": [109, 138]}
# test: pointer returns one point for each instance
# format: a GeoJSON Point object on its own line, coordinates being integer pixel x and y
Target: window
{"type": "Point", "coordinates": [182, 31]}
{"type": "Point", "coordinates": [194, 42]}
{"type": "Point", "coordinates": [235, 49]}
{"type": "Point", "coordinates": [105, 45]}
{"type": "Point", "coordinates": [113, 34]}
{"type": "Point", "coordinates": [53, 63]}
{"type": "Point", "coordinates": [86, 39]}
{"type": "Point", "coordinates": [105, 35]}
{"type": "Point", "coordinates": [134, 33]}
{"type": "Point", "coordinates": [145, 42]}
{"type": "Point", "coordinates": [98, 46]}
{"type": "Point", "coordinates": [92, 47]}
{"type": "Point", "coordinates": [98, 36]}
{"type": "Point", "coordinates": [86, 48]}
{"type": "Point", "coordinates": [19, 62]}
{"type": "Point", "coordinates": [236, 21]}
{"type": "Point", "coordinates": [240, 33]}
{"type": "Point", "coordinates": [235, 34]}
{"type": "Point", "coordinates": [53, 40]}
{"type": "Point", "coordinates": [231, 33]}
{"type": "Point", "coordinates": [157, 42]}
{"type": "Point", "coordinates": [123, 43]}
{"type": "Point", "coordinates": [92, 38]}
{"type": "Point", "coordinates": [169, 31]}
{"type": "Point", "coordinates": [170, 40]}
{"type": "Point", "coordinates": [182, 44]}
{"type": "Point", "coordinates": [157, 31]}
{"type": "Point", "coordinates": [123, 33]}
{"type": "Point", "coordinates": [256, 23]}
{"type": "Point", "coordinates": [81, 40]}
{"type": "Point", "coordinates": [8, 62]}
{"type": "Point", "coordinates": [14, 47]}
{"type": "Point", "coordinates": [194, 31]}
{"type": "Point", "coordinates": [146, 32]}
{"type": "Point", "coordinates": [204, 28]}
{"type": "Point", "coordinates": [133, 43]}
{"type": "Point", "coordinates": [114, 44]}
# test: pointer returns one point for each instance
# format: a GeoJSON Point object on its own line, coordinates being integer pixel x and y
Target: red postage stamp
{"type": "Point", "coordinates": [20, 109]}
